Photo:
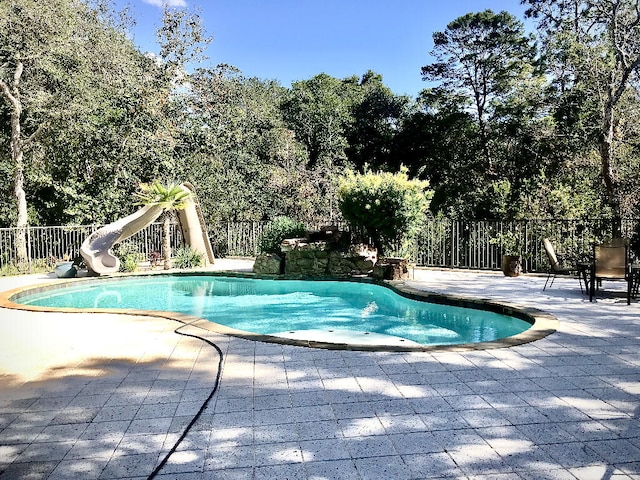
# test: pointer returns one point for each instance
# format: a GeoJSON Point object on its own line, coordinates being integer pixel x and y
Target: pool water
{"type": "Point", "coordinates": [282, 307]}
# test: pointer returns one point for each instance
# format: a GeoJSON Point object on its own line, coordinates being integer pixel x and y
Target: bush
{"type": "Point", "coordinates": [38, 265]}
{"type": "Point", "coordinates": [276, 231]}
{"type": "Point", "coordinates": [187, 257]}
{"type": "Point", "coordinates": [129, 255]}
{"type": "Point", "coordinates": [389, 206]}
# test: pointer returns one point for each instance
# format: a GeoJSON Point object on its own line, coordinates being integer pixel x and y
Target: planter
{"type": "Point", "coordinates": [65, 270]}
{"type": "Point", "coordinates": [511, 265]}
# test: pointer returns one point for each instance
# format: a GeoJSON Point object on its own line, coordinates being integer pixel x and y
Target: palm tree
{"type": "Point", "coordinates": [171, 197]}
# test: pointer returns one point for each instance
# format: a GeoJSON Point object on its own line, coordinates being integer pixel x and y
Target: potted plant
{"type": "Point", "coordinates": [511, 245]}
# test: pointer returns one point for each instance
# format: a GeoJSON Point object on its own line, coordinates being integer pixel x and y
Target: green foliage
{"type": "Point", "coordinates": [511, 242]}
{"type": "Point", "coordinates": [129, 255]}
{"type": "Point", "coordinates": [39, 265]}
{"type": "Point", "coordinates": [276, 231]}
{"type": "Point", "coordinates": [389, 206]}
{"type": "Point", "coordinates": [482, 56]}
{"type": "Point", "coordinates": [186, 257]}
{"type": "Point", "coordinates": [318, 111]}
{"type": "Point", "coordinates": [169, 196]}
{"type": "Point", "coordinates": [495, 201]}
{"type": "Point", "coordinates": [373, 129]}
{"type": "Point", "coordinates": [575, 197]}
{"type": "Point", "coordinates": [593, 51]}
{"type": "Point", "coordinates": [98, 117]}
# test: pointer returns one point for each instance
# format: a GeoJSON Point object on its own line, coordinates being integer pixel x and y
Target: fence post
{"type": "Point", "coordinates": [527, 261]}
{"type": "Point", "coordinates": [29, 255]}
{"type": "Point", "coordinates": [453, 243]}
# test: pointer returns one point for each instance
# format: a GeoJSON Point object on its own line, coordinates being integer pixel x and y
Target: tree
{"type": "Point", "coordinates": [248, 164]}
{"type": "Point", "coordinates": [482, 55]}
{"type": "Point", "coordinates": [55, 60]}
{"type": "Point", "coordinates": [318, 111]}
{"type": "Point", "coordinates": [438, 142]}
{"type": "Point", "coordinates": [26, 34]}
{"type": "Point", "coordinates": [596, 45]}
{"type": "Point", "coordinates": [376, 117]}
{"type": "Point", "coordinates": [170, 197]}
{"type": "Point", "coordinates": [389, 206]}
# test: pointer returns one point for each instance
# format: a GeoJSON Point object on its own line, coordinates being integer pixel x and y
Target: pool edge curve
{"type": "Point", "coordinates": [542, 323]}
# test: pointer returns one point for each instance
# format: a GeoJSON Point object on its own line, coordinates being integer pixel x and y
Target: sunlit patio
{"type": "Point", "coordinates": [108, 396]}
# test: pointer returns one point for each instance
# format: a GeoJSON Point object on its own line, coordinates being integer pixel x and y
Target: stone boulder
{"type": "Point", "coordinates": [391, 269]}
{"type": "Point", "coordinates": [319, 258]}
{"type": "Point", "coordinates": [268, 264]}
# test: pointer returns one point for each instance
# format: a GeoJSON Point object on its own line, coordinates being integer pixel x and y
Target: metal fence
{"type": "Point", "coordinates": [440, 243]}
{"type": "Point", "coordinates": [473, 245]}
{"type": "Point", "coordinates": [49, 245]}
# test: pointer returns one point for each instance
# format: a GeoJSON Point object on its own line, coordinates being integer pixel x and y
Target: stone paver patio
{"type": "Point", "coordinates": [108, 396]}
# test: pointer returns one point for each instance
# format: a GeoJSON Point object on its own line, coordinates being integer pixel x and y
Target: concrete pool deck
{"type": "Point", "coordinates": [107, 396]}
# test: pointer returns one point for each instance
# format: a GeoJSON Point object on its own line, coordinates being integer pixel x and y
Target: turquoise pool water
{"type": "Point", "coordinates": [282, 307]}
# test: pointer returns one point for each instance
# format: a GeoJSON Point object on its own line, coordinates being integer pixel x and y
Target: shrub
{"type": "Point", "coordinates": [187, 257]}
{"type": "Point", "coordinates": [38, 265]}
{"type": "Point", "coordinates": [276, 231]}
{"type": "Point", "coordinates": [389, 206]}
{"type": "Point", "coordinates": [129, 255]}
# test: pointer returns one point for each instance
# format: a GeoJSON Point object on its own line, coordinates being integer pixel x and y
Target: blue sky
{"type": "Point", "coordinates": [289, 40]}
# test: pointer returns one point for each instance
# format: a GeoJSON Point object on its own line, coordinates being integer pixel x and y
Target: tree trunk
{"type": "Point", "coordinates": [12, 94]}
{"type": "Point", "coordinates": [482, 129]}
{"type": "Point", "coordinates": [377, 243]}
{"type": "Point", "coordinates": [21, 204]}
{"type": "Point", "coordinates": [166, 241]}
{"type": "Point", "coordinates": [606, 157]}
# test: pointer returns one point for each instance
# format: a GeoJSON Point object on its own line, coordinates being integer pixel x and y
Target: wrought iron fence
{"type": "Point", "coordinates": [443, 243]}
{"type": "Point", "coordinates": [473, 244]}
{"type": "Point", "coordinates": [55, 243]}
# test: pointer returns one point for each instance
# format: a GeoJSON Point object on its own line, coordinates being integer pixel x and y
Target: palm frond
{"type": "Point", "coordinates": [170, 196]}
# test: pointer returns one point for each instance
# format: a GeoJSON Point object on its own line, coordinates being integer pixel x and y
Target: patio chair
{"type": "Point", "coordinates": [556, 267]}
{"type": "Point", "coordinates": [611, 262]}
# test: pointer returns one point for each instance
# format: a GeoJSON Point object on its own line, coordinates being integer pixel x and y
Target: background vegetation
{"type": "Point", "coordinates": [511, 124]}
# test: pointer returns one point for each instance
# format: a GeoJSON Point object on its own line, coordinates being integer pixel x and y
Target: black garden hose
{"type": "Point", "coordinates": [202, 408]}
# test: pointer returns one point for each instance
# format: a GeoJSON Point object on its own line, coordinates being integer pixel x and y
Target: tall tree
{"type": "Point", "coordinates": [377, 114]}
{"type": "Point", "coordinates": [481, 54]}
{"type": "Point", "coordinates": [438, 142]}
{"type": "Point", "coordinates": [236, 126]}
{"type": "Point", "coordinates": [319, 111]}
{"type": "Point", "coordinates": [54, 57]}
{"type": "Point", "coordinates": [596, 43]}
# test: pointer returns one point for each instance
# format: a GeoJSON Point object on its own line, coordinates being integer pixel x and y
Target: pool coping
{"type": "Point", "coordinates": [542, 323]}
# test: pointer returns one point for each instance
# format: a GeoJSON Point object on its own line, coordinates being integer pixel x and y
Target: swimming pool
{"type": "Point", "coordinates": [324, 310]}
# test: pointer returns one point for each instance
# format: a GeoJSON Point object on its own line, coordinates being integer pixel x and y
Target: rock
{"type": "Point", "coordinates": [268, 264]}
{"type": "Point", "coordinates": [391, 269]}
{"type": "Point", "coordinates": [322, 253]}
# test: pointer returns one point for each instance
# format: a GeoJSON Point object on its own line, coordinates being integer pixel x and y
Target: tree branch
{"type": "Point", "coordinates": [31, 138]}
{"type": "Point", "coordinates": [6, 91]}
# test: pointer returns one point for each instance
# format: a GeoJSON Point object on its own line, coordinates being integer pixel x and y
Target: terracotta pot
{"type": "Point", "coordinates": [511, 265]}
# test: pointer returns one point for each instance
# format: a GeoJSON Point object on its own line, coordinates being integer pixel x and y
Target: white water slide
{"type": "Point", "coordinates": [96, 249]}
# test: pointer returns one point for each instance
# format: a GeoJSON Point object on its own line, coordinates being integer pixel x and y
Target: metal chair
{"type": "Point", "coordinates": [611, 262]}
{"type": "Point", "coordinates": [556, 268]}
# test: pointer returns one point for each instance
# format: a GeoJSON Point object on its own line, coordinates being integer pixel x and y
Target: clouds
{"type": "Point", "coordinates": [168, 3]}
